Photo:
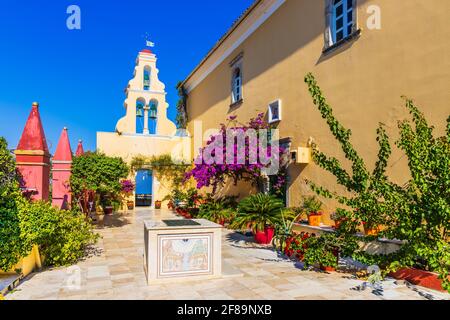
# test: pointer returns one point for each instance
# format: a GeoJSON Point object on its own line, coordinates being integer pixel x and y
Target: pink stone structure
{"type": "Point", "coordinates": [80, 149]}
{"type": "Point", "coordinates": [33, 157]}
{"type": "Point", "coordinates": [62, 165]}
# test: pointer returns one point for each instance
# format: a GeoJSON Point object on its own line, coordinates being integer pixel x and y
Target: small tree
{"type": "Point", "coordinates": [363, 186]}
{"type": "Point", "coordinates": [421, 209]}
{"type": "Point", "coordinates": [96, 172]}
{"type": "Point", "coordinates": [418, 213]}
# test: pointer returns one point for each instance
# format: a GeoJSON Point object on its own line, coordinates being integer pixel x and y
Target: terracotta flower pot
{"type": "Point", "coordinates": [314, 220]}
{"type": "Point", "coordinates": [108, 210]}
{"type": "Point", "coordinates": [374, 231]}
{"type": "Point", "coordinates": [327, 269]}
{"type": "Point", "coordinates": [130, 205]}
{"type": "Point", "coordinates": [264, 237]}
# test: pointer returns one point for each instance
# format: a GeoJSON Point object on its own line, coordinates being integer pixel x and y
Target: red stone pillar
{"type": "Point", "coordinates": [62, 165]}
{"type": "Point", "coordinates": [33, 157]}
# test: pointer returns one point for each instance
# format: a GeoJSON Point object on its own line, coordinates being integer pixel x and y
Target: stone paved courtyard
{"type": "Point", "coordinates": [114, 270]}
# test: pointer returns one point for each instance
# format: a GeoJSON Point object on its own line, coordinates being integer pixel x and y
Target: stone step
{"type": "Point", "coordinates": [8, 282]}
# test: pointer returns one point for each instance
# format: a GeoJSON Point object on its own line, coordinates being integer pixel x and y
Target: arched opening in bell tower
{"type": "Point", "coordinates": [140, 105]}
{"type": "Point", "coordinates": [153, 116]}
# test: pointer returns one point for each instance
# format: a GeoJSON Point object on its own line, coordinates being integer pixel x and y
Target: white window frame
{"type": "Point", "coordinates": [235, 96]}
{"type": "Point", "coordinates": [280, 114]}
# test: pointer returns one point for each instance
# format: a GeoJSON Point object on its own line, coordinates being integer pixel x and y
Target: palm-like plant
{"type": "Point", "coordinates": [216, 210]}
{"type": "Point", "coordinates": [258, 211]}
{"type": "Point", "coordinates": [284, 230]}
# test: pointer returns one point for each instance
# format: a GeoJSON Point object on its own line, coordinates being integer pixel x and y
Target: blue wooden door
{"type": "Point", "coordinates": [144, 186]}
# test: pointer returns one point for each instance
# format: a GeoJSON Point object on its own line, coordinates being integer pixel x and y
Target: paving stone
{"type": "Point", "coordinates": [116, 272]}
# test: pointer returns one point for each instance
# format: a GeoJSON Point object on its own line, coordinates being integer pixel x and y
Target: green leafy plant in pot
{"type": "Point", "coordinates": [261, 213]}
{"type": "Point", "coordinates": [284, 230]}
{"type": "Point", "coordinates": [107, 204]}
{"type": "Point", "coordinates": [312, 207]}
{"type": "Point", "coordinates": [324, 250]}
{"type": "Point", "coordinates": [217, 211]}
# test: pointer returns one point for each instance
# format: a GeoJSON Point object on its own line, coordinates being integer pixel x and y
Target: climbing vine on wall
{"type": "Point", "coordinates": [418, 212]}
{"type": "Point", "coordinates": [182, 117]}
{"type": "Point", "coordinates": [164, 168]}
{"type": "Point", "coordinates": [362, 185]}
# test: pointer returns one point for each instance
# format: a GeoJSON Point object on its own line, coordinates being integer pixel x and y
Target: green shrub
{"type": "Point", "coordinates": [62, 236]}
{"type": "Point", "coordinates": [12, 247]}
{"type": "Point", "coordinates": [258, 211]}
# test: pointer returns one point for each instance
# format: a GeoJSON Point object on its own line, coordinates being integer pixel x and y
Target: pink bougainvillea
{"type": "Point", "coordinates": [245, 156]}
{"type": "Point", "coordinates": [127, 186]}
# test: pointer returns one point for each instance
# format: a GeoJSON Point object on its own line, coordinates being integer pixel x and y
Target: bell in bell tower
{"type": "Point", "coordinates": [145, 103]}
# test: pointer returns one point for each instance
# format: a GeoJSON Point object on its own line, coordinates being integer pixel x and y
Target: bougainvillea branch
{"type": "Point", "coordinates": [214, 170]}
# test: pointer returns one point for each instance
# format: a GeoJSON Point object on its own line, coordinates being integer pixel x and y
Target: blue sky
{"type": "Point", "coordinates": [78, 76]}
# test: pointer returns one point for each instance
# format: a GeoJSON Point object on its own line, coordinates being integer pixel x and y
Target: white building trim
{"type": "Point", "coordinates": [236, 44]}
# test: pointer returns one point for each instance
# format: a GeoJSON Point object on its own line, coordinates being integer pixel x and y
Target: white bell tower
{"type": "Point", "coordinates": [145, 103]}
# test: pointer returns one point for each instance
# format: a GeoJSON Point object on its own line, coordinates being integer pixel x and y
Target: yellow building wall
{"type": "Point", "coordinates": [27, 264]}
{"type": "Point", "coordinates": [363, 80]}
{"type": "Point", "coordinates": [129, 146]}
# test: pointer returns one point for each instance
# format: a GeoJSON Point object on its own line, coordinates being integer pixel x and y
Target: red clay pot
{"type": "Point", "coordinates": [371, 231]}
{"type": "Point", "coordinates": [108, 210]}
{"type": "Point", "coordinates": [331, 269]}
{"type": "Point", "coordinates": [327, 269]}
{"type": "Point", "coordinates": [420, 278]}
{"type": "Point", "coordinates": [264, 237]}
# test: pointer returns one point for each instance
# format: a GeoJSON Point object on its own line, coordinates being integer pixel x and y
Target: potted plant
{"type": "Point", "coordinates": [128, 189]}
{"type": "Point", "coordinates": [215, 211]}
{"type": "Point", "coordinates": [324, 250]}
{"type": "Point", "coordinates": [338, 220]}
{"type": "Point", "coordinates": [284, 232]}
{"type": "Point", "coordinates": [107, 206]}
{"type": "Point", "coordinates": [130, 205]}
{"type": "Point", "coordinates": [262, 213]}
{"type": "Point", "coordinates": [158, 204]}
{"type": "Point", "coordinates": [371, 229]}
{"type": "Point", "coordinates": [312, 206]}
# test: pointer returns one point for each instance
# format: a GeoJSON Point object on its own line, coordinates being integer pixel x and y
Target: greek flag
{"type": "Point", "coordinates": [150, 44]}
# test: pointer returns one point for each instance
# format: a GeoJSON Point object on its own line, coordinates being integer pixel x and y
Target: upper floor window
{"type": "Point", "coordinates": [147, 72]}
{"type": "Point", "coordinates": [236, 85]}
{"type": "Point", "coordinates": [342, 24]}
